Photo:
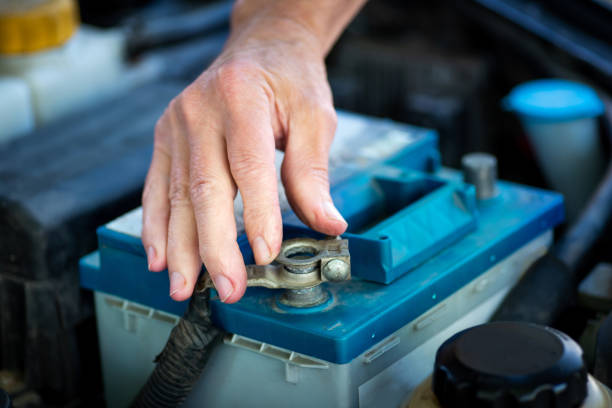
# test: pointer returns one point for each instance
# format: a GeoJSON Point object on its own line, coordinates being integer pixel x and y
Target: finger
{"type": "Point", "coordinates": [212, 194]}
{"type": "Point", "coordinates": [305, 169]}
{"type": "Point", "coordinates": [184, 263]}
{"type": "Point", "coordinates": [251, 150]}
{"type": "Point", "coordinates": [155, 207]}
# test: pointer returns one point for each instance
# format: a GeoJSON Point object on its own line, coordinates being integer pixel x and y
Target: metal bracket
{"type": "Point", "coordinates": [302, 263]}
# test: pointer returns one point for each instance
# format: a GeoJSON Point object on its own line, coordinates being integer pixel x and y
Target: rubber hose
{"type": "Point", "coordinates": [581, 237]}
{"type": "Point", "coordinates": [183, 358]}
{"type": "Point", "coordinates": [549, 284]}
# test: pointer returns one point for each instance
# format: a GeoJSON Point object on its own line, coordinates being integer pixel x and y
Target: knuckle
{"type": "Point", "coordinates": [248, 163]}
{"type": "Point", "coordinates": [178, 193]}
{"type": "Point", "coordinates": [323, 113]}
{"type": "Point", "coordinates": [328, 115]}
{"type": "Point", "coordinates": [159, 128]}
{"type": "Point", "coordinates": [263, 219]}
{"type": "Point", "coordinates": [161, 131]}
{"type": "Point", "coordinates": [235, 70]}
{"type": "Point", "coordinates": [232, 76]}
{"type": "Point", "coordinates": [306, 169]}
{"type": "Point", "coordinates": [320, 110]}
{"type": "Point", "coordinates": [318, 172]}
{"type": "Point", "coordinates": [256, 214]}
{"type": "Point", "coordinates": [202, 189]}
{"type": "Point", "coordinates": [161, 148]}
{"type": "Point", "coordinates": [181, 107]}
{"type": "Point", "coordinates": [186, 107]}
{"type": "Point", "coordinates": [173, 107]}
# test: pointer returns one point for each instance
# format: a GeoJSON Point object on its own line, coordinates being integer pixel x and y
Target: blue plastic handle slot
{"type": "Point", "coordinates": [398, 219]}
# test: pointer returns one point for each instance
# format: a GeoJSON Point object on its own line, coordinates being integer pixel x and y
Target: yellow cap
{"type": "Point", "coordinates": [35, 25]}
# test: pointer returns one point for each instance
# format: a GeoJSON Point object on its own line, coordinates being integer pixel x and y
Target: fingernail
{"type": "Point", "coordinates": [151, 255]}
{"type": "Point", "coordinates": [224, 287]}
{"type": "Point", "coordinates": [332, 212]}
{"type": "Point", "coordinates": [177, 282]}
{"type": "Point", "coordinates": [260, 248]}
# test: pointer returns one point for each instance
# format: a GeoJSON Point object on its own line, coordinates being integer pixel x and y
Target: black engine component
{"type": "Point", "coordinates": [57, 186]}
{"type": "Point", "coordinates": [603, 352]}
{"type": "Point", "coordinates": [5, 401]}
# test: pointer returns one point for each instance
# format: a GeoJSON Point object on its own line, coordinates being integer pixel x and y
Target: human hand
{"type": "Point", "coordinates": [267, 90]}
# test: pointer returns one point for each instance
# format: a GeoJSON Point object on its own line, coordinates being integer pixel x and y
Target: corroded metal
{"type": "Point", "coordinates": [303, 263]}
{"type": "Point", "coordinates": [304, 297]}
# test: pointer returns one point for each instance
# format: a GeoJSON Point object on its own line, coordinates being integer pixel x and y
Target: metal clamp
{"type": "Point", "coordinates": [302, 263]}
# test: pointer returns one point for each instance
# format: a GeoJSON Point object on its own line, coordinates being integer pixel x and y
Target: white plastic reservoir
{"type": "Point", "coordinates": [50, 66]}
{"type": "Point", "coordinates": [77, 74]}
{"type": "Point", "coordinates": [560, 119]}
{"type": "Point", "coordinates": [16, 115]}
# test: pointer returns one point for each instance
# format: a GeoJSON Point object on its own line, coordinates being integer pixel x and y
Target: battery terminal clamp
{"type": "Point", "coordinates": [302, 265]}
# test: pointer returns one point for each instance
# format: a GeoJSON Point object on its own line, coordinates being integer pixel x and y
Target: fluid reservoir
{"type": "Point", "coordinates": [560, 120]}
{"type": "Point", "coordinates": [16, 115]}
{"type": "Point", "coordinates": [510, 364]}
{"type": "Point", "coordinates": [63, 65]}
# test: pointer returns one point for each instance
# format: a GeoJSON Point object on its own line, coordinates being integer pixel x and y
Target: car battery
{"type": "Point", "coordinates": [430, 254]}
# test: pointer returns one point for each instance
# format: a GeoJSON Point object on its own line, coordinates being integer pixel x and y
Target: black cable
{"type": "Point", "coordinates": [581, 237]}
{"type": "Point", "coordinates": [183, 358]}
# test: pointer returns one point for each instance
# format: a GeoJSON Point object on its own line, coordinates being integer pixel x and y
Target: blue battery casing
{"type": "Point", "coordinates": [416, 235]}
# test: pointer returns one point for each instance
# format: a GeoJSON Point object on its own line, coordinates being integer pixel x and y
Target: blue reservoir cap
{"type": "Point", "coordinates": [553, 100]}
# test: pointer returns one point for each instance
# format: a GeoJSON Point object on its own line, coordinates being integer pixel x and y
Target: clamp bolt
{"type": "Point", "coordinates": [336, 270]}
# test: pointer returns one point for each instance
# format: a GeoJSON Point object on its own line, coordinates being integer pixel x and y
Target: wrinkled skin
{"type": "Point", "coordinates": [267, 90]}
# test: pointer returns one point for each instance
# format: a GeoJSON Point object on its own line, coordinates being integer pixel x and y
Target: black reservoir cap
{"type": "Point", "coordinates": [510, 364]}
